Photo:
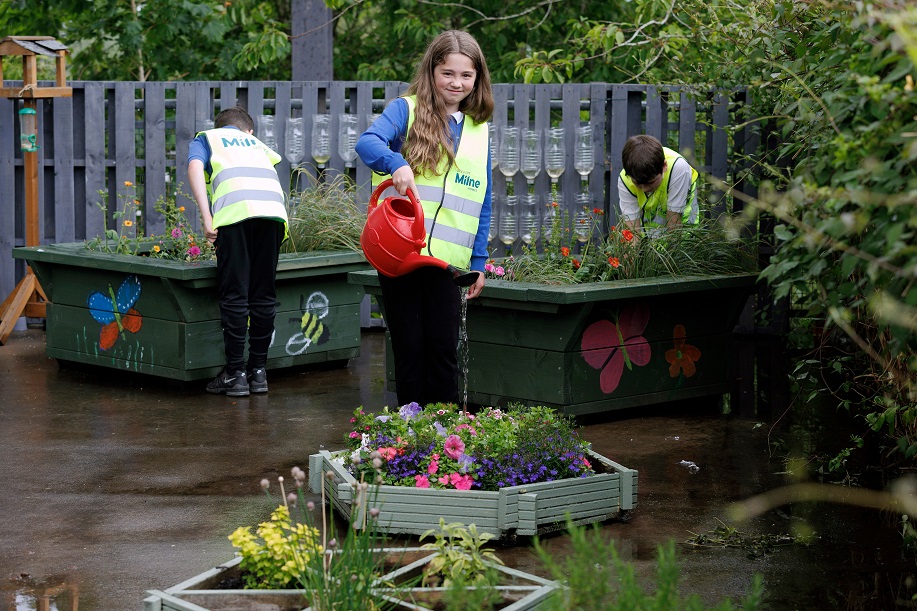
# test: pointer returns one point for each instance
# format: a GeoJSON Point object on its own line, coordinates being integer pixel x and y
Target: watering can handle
{"type": "Point", "coordinates": [418, 229]}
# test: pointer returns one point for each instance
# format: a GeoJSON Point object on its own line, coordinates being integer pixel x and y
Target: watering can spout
{"type": "Point", "coordinates": [394, 235]}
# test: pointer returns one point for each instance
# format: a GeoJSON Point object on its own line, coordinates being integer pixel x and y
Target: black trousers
{"type": "Point", "coordinates": [247, 254]}
{"type": "Point", "coordinates": [422, 310]}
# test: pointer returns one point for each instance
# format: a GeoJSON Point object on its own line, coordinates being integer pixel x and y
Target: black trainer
{"type": "Point", "coordinates": [231, 385]}
{"type": "Point", "coordinates": [257, 379]}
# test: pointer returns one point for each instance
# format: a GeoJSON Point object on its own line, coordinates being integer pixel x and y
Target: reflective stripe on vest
{"type": "Point", "coordinates": [243, 182]}
{"type": "Point", "coordinates": [657, 204]}
{"type": "Point", "coordinates": [453, 196]}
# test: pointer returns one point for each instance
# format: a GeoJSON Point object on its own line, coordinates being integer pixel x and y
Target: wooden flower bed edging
{"type": "Point", "coordinates": [521, 591]}
{"type": "Point", "coordinates": [596, 347]}
{"type": "Point", "coordinates": [171, 324]}
{"type": "Point", "coordinates": [525, 510]}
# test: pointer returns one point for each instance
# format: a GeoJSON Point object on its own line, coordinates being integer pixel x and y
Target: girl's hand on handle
{"type": "Point", "coordinates": [403, 179]}
{"type": "Point", "coordinates": [475, 289]}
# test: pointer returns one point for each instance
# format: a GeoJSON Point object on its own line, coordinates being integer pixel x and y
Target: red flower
{"type": "Point", "coordinates": [576, 264]}
{"type": "Point", "coordinates": [627, 234]}
{"type": "Point", "coordinates": [682, 357]}
{"type": "Point", "coordinates": [598, 212]}
{"type": "Point", "coordinates": [565, 251]}
{"type": "Point", "coordinates": [612, 228]}
{"type": "Point", "coordinates": [613, 261]}
{"type": "Point", "coordinates": [555, 205]}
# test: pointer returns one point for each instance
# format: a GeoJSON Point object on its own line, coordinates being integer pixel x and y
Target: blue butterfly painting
{"type": "Point", "coordinates": [116, 312]}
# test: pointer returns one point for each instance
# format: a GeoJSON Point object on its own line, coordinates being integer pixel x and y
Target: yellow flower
{"type": "Point", "coordinates": [181, 208]}
{"type": "Point", "coordinates": [128, 223]}
{"type": "Point", "coordinates": [137, 202]}
{"type": "Point", "coordinates": [156, 248]}
{"type": "Point", "coordinates": [128, 183]}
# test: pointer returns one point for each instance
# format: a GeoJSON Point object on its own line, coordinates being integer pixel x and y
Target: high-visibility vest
{"type": "Point", "coordinates": [452, 197]}
{"type": "Point", "coordinates": [653, 208]}
{"type": "Point", "coordinates": [243, 182]}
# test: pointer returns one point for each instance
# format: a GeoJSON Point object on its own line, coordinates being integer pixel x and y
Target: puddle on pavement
{"type": "Point", "coordinates": [694, 462]}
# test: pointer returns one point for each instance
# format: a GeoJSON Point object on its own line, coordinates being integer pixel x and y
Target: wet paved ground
{"type": "Point", "coordinates": [112, 484]}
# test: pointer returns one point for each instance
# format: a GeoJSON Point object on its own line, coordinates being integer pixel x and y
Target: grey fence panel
{"type": "Point", "coordinates": [227, 95]}
{"type": "Point", "coordinates": [310, 108]}
{"type": "Point", "coordinates": [154, 155]}
{"type": "Point", "coordinates": [185, 130]}
{"type": "Point", "coordinates": [596, 95]}
{"type": "Point", "coordinates": [139, 132]}
{"type": "Point", "coordinates": [94, 155]}
{"type": "Point", "coordinates": [687, 118]}
{"type": "Point", "coordinates": [64, 213]}
{"type": "Point", "coordinates": [719, 152]}
{"type": "Point", "coordinates": [125, 158]}
{"type": "Point", "coordinates": [282, 114]}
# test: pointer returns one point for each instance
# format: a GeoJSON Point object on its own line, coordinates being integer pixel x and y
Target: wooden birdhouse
{"type": "Point", "coordinates": [30, 47]}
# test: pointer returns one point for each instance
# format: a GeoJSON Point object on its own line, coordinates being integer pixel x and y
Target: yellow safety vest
{"type": "Point", "coordinates": [654, 207]}
{"type": "Point", "coordinates": [243, 182]}
{"type": "Point", "coordinates": [453, 196]}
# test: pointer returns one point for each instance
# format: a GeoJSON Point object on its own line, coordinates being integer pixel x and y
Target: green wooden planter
{"type": "Point", "coordinates": [597, 347]}
{"type": "Point", "coordinates": [521, 591]}
{"type": "Point", "coordinates": [526, 510]}
{"type": "Point", "coordinates": [172, 327]}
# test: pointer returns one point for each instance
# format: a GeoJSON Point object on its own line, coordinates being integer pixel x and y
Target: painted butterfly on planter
{"type": "Point", "coordinates": [610, 347]}
{"type": "Point", "coordinates": [115, 311]}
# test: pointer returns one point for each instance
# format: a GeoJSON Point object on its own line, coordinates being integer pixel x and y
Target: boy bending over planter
{"type": "Point", "coordinates": [241, 201]}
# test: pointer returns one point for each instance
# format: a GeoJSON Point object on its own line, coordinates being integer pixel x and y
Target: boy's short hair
{"type": "Point", "coordinates": [643, 158]}
{"type": "Point", "coordinates": [236, 117]}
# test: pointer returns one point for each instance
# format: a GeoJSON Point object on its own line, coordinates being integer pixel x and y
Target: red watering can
{"type": "Point", "coordinates": [394, 234]}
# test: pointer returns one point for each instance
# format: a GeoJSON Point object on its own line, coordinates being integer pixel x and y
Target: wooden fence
{"type": "Point", "coordinates": [110, 133]}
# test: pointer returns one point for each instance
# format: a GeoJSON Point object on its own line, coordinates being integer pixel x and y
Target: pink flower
{"type": "Point", "coordinates": [354, 435]}
{"type": "Point", "coordinates": [422, 481]}
{"type": "Point", "coordinates": [461, 482]}
{"type": "Point", "coordinates": [499, 270]}
{"type": "Point", "coordinates": [444, 480]}
{"type": "Point", "coordinates": [454, 446]}
{"type": "Point", "coordinates": [488, 267]}
{"type": "Point", "coordinates": [194, 251]}
{"type": "Point", "coordinates": [176, 233]}
{"type": "Point", "coordinates": [433, 467]}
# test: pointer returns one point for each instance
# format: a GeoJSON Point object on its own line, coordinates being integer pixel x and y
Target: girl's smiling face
{"type": "Point", "coordinates": [454, 80]}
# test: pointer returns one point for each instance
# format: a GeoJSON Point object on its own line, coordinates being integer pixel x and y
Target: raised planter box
{"type": "Point", "coordinates": [596, 347]}
{"type": "Point", "coordinates": [173, 329]}
{"type": "Point", "coordinates": [516, 510]}
{"type": "Point", "coordinates": [520, 590]}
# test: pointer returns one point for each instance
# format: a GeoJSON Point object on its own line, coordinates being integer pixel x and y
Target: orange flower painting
{"type": "Point", "coordinates": [682, 357]}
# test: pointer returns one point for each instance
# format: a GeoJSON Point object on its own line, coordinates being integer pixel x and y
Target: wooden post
{"type": "Point", "coordinates": [28, 298]}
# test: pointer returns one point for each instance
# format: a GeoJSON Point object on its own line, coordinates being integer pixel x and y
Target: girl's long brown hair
{"type": "Point", "coordinates": [429, 138]}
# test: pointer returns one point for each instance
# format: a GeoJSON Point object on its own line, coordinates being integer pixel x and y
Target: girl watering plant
{"type": "Point", "coordinates": [434, 142]}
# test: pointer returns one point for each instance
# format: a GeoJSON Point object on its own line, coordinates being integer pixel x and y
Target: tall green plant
{"type": "Point", "coordinates": [597, 579]}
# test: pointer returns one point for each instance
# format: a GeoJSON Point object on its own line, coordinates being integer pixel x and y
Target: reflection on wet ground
{"type": "Point", "coordinates": [115, 484]}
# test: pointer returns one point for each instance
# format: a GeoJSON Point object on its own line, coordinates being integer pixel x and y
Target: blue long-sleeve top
{"type": "Point", "coordinates": [380, 148]}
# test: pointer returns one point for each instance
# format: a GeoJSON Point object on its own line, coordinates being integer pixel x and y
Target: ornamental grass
{"type": "Point", "coordinates": [324, 214]}
{"type": "Point", "coordinates": [575, 252]}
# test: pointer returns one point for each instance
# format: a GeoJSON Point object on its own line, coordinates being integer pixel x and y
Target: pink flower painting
{"type": "Point", "coordinates": [611, 347]}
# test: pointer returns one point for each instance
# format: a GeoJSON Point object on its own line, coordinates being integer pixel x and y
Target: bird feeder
{"type": "Point", "coordinates": [28, 298]}
{"type": "Point", "coordinates": [28, 130]}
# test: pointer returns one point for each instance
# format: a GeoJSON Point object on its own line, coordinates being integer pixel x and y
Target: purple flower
{"type": "Point", "coordinates": [383, 418]}
{"type": "Point", "coordinates": [440, 429]}
{"type": "Point", "coordinates": [409, 411]}
{"type": "Point", "coordinates": [465, 462]}
{"type": "Point", "coordinates": [176, 233]}
{"type": "Point", "coordinates": [194, 251]}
